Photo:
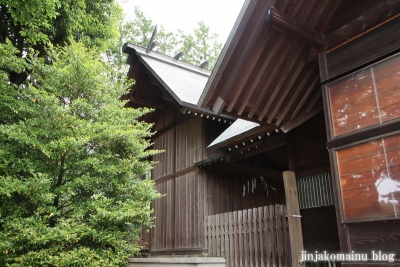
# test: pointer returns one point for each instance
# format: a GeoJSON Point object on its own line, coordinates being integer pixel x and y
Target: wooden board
{"type": "Point", "coordinates": [293, 211]}
{"type": "Point", "coordinates": [255, 237]}
{"type": "Point", "coordinates": [368, 176]}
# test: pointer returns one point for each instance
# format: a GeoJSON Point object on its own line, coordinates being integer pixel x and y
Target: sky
{"type": "Point", "coordinates": [219, 15]}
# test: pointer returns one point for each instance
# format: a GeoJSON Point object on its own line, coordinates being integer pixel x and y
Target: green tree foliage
{"type": "Point", "coordinates": [37, 23]}
{"type": "Point", "coordinates": [71, 162]}
{"type": "Point", "coordinates": [33, 23]}
{"type": "Point", "coordinates": [198, 46]}
{"type": "Point", "coordinates": [201, 46]}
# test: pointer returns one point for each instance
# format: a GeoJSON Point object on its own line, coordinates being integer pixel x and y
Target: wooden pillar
{"type": "Point", "coordinates": [294, 219]}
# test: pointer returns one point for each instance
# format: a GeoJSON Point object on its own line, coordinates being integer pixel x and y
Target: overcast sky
{"type": "Point", "coordinates": [219, 15]}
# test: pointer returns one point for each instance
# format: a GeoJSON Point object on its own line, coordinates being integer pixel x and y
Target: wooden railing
{"type": "Point", "coordinates": [256, 237]}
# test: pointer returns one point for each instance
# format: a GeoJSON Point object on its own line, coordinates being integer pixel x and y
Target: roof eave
{"type": "Point", "coordinates": [226, 53]}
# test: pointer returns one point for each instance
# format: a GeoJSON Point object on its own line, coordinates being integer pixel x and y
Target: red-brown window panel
{"type": "Point", "coordinates": [367, 98]}
{"type": "Point", "coordinates": [369, 176]}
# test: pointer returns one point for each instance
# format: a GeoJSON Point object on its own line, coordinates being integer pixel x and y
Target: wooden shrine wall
{"type": "Point", "coordinates": [363, 119]}
{"type": "Point", "coordinates": [368, 48]}
{"type": "Point", "coordinates": [228, 191]}
{"type": "Point", "coordinates": [319, 229]}
{"type": "Point", "coordinates": [191, 194]}
{"type": "Point", "coordinates": [310, 156]}
{"type": "Point", "coordinates": [179, 213]}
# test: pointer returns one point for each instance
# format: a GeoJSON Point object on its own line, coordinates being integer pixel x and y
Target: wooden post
{"type": "Point", "coordinates": [294, 219]}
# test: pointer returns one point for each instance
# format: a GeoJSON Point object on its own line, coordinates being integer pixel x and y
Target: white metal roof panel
{"type": "Point", "coordinates": [186, 84]}
{"type": "Point", "coordinates": [238, 127]}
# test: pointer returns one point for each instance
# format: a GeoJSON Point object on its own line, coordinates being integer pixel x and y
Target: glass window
{"type": "Point", "coordinates": [369, 97]}
{"type": "Point", "coordinates": [369, 176]}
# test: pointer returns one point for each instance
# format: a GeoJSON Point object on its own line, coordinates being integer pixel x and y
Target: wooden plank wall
{"type": "Point", "coordinates": [319, 229]}
{"type": "Point", "coordinates": [189, 146]}
{"type": "Point", "coordinates": [224, 192]}
{"type": "Point", "coordinates": [191, 195]}
{"type": "Point", "coordinates": [179, 215]}
{"type": "Point", "coordinates": [162, 235]}
{"type": "Point", "coordinates": [366, 49]}
{"type": "Point", "coordinates": [310, 155]}
{"type": "Point", "coordinates": [319, 225]}
{"type": "Point", "coordinates": [189, 220]}
{"type": "Point", "coordinates": [253, 237]}
{"type": "Point", "coordinates": [383, 41]}
{"type": "Point", "coordinates": [378, 236]}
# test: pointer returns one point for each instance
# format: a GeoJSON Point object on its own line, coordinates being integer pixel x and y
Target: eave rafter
{"type": "Point", "coordinates": [147, 102]}
{"type": "Point", "coordinates": [364, 23]}
{"type": "Point", "coordinates": [284, 23]}
{"type": "Point", "coordinates": [240, 150]}
{"type": "Point", "coordinates": [245, 169]}
{"type": "Point", "coordinates": [257, 148]}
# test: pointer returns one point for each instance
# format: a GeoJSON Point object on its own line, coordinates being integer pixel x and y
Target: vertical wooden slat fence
{"type": "Point", "coordinates": [250, 238]}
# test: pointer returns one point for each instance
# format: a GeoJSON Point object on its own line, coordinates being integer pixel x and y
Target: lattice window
{"type": "Point", "coordinates": [315, 191]}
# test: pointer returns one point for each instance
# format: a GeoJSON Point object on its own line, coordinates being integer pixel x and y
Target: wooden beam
{"type": "Point", "coordinates": [289, 63]}
{"type": "Point", "coordinates": [212, 159]}
{"type": "Point", "coordinates": [251, 36]}
{"type": "Point", "coordinates": [309, 75]}
{"type": "Point", "coordinates": [170, 126]}
{"type": "Point", "coordinates": [244, 137]}
{"type": "Point", "coordinates": [175, 174]}
{"type": "Point", "coordinates": [313, 100]}
{"type": "Point", "coordinates": [294, 218]}
{"type": "Point", "coordinates": [290, 150]}
{"type": "Point", "coordinates": [246, 169]}
{"type": "Point", "coordinates": [218, 105]}
{"type": "Point", "coordinates": [265, 39]}
{"type": "Point", "coordinates": [322, 24]}
{"type": "Point", "coordinates": [268, 78]}
{"type": "Point", "coordinates": [179, 55]}
{"type": "Point", "coordinates": [286, 24]}
{"type": "Point", "coordinates": [304, 116]}
{"type": "Point", "coordinates": [244, 153]}
{"type": "Point", "coordinates": [305, 97]}
{"type": "Point", "coordinates": [366, 22]}
{"type": "Point", "coordinates": [278, 158]}
{"type": "Point", "coordinates": [263, 146]}
{"type": "Point", "coordinates": [294, 74]}
{"type": "Point", "coordinates": [151, 44]}
{"type": "Point", "coordinates": [164, 94]}
{"type": "Point", "coordinates": [146, 102]}
{"type": "Point", "coordinates": [368, 133]}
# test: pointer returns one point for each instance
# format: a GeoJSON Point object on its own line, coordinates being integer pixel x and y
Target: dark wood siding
{"type": "Point", "coordinates": [310, 155]}
{"type": "Point", "coordinates": [179, 214]}
{"type": "Point", "coordinates": [189, 143]}
{"type": "Point", "coordinates": [360, 201]}
{"type": "Point", "coordinates": [225, 192]}
{"type": "Point", "coordinates": [378, 236]}
{"type": "Point", "coordinates": [191, 194]}
{"type": "Point", "coordinates": [368, 48]}
{"type": "Point", "coordinates": [320, 229]}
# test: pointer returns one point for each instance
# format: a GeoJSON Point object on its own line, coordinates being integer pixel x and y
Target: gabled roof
{"type": "Point", "coordinates": [184, 82]}
{"type": "Point", "coordinates": [268, 70]}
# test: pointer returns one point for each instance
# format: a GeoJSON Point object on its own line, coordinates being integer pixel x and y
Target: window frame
{"type": "Point", "coordinates": [350, 139]}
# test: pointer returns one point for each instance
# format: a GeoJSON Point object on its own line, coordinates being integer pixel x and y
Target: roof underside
{"type": "Point", "coordinates": [268, 71]}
